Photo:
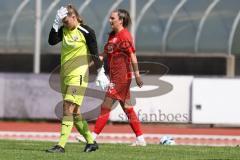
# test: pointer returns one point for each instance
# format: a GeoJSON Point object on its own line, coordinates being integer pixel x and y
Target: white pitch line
{"type": "Point", "coordinates": [126, 138]}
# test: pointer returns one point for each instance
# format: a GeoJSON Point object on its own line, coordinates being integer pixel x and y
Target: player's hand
{"type": "Point", "coordinates": [102, 79]}
{"type": "Point", "coordinates": [139, 81]}
{"type": "Point", "coordinates": [61, 13]}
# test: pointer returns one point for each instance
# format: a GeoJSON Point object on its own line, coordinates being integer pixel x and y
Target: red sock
{"type": "Point", "coordinates": [102, 119]}
{"type": "Point", "coordinates": [133, 120]}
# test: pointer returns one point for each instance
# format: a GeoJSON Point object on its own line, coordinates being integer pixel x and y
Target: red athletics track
{"type": "Point", "coordinates": [120, 128]}
{"type": "Point", "coordinates": [183, 134]}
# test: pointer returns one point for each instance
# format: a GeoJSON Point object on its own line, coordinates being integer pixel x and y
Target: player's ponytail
{"type": "Point", "coordinates": [125, 17]}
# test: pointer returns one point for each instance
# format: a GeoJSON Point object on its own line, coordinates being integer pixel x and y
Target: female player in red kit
{"type": "Point", "coordinates": [120, 53]}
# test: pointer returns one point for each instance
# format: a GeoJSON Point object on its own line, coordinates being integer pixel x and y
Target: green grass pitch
{"type": "Point", "coordinates": [29, 150]}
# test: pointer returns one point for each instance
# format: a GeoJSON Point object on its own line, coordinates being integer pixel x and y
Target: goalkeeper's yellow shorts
{"type": "Point", "coordinates": [73, 88]}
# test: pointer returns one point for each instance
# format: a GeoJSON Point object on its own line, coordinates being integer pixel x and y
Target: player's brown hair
{"type": "Point", "coordinates": [72, 10]}
{"type": "Point", "coordinates": [125, 17]}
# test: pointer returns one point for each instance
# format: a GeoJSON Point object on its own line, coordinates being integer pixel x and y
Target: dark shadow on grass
{"type": "Point", "coordinates": [27, 149]}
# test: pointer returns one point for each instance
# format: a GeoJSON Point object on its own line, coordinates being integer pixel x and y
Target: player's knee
{"type": "Point", "coordinates": [127, 105]}
{"type": "Point", "coordinates": [68, 108]}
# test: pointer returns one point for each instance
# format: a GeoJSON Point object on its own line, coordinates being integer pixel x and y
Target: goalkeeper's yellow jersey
{"type": "Point", "coordinates": [76, 46]}
{"type": "Point", "coordinates": [74, 53]}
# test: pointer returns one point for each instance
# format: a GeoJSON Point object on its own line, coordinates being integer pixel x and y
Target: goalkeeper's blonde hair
{"type": "Point", "coordinates": [73, 11]}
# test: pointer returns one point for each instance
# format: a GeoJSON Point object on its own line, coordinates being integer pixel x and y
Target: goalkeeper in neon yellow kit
{"type": "Point", "coordinates": [77, 40]}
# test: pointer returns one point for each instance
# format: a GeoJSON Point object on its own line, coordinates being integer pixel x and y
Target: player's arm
{"type": "Point", "coordinates": [89, 34]}
{"type": "Point", "coordinates": [136, 70]}
{"type": "Point", "coordinates": [91, 42]}
{"type": "Point", "coordinates": [55, 37]}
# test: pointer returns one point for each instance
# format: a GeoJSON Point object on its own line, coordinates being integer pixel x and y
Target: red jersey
{"type": "Point", "coordinates": [119, 47]}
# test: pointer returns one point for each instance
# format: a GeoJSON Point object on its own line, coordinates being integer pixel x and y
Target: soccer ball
{"type": "Point", "coordinates": [167, 140]}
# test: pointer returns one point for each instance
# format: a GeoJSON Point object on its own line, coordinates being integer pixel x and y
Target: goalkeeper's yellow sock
{"type": "Point", "coordinates": [83, 129]}
{"type": "Point", "coordinates": [66, 128]}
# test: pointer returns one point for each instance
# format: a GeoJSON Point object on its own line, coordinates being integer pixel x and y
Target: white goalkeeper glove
{"type": "Point", "coordinates": [61, 13]}
{"type": "Point", "coordinates": [102, 79]}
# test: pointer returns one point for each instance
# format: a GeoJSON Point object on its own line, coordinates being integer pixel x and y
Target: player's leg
{"type": "Point", "coordinates": [103, 117]}
{"type": "Point", "coordinates": [67, 122]}
{"type": "Point", "coordinates": [76, 93]}
{"type": "Point", "coordinates": [82, 127]}
{"type": "Point", "coordinates": [134, 122]}
{"type": "Point", "coordinates": [66, 127]}
{"type": "Point", "coordinates": [70, 86]}
{"type": "Point", "coordinates": [79, 122]}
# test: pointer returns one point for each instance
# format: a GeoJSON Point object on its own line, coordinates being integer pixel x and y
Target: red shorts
{"type": "Point", "coordinates": [119, 91]}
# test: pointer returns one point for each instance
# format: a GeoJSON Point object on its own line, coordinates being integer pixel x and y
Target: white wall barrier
{"type": "Point", "coordinates": [30, 96]}
{"type": "Point", "coordinates": [216, 101]}
{"type": "Point", "coordinates": [162, 99]}
{"type": "Point", "coordinates": [27, 96]}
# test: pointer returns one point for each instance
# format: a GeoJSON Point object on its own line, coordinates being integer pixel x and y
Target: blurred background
{"type": "Point", "coordinates": [190, 48]}
{"type": "Point", "coordinates": [183, 34]}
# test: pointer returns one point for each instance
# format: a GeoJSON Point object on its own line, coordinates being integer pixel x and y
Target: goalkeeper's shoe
{"type": "Point", "coordinates": [56, 149]}
{"type": "Point", "coordinates": [139, 143]}
{"type": "Point", "coordinates": [91, 147]}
